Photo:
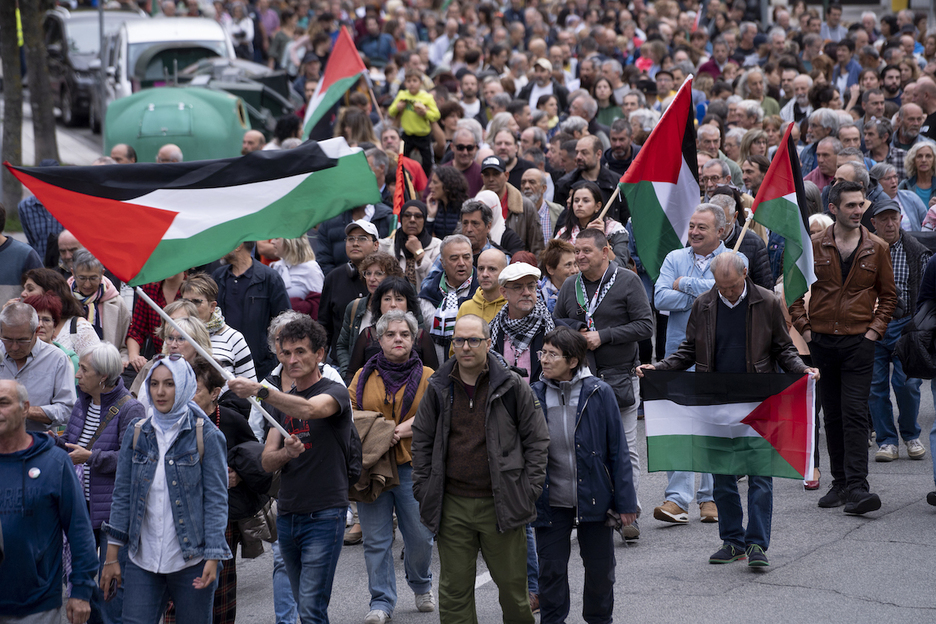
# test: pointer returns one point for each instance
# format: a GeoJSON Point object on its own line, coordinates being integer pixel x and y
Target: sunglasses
{"type": "Point", "coordinates": [465, 148]}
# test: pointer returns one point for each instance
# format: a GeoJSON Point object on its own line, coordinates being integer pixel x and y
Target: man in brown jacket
{"type": "Point", "coordinates": [523, 221]}
{"type": "Point", "coordinates": [851, 304]}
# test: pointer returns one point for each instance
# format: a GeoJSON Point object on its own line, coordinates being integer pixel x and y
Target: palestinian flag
{"type": "Point", "coordinates": [342, 71]}
{"type": "Point", "coordinates": [758, 424]}
{"type": "Point", "coordinates": [780, 206]}
{"type": "Point", "coordinates": [661, 186]}
{"type": "Point", "coordinates": [410, 181]}
{"type": "Point", "coordinates": [146, 222]}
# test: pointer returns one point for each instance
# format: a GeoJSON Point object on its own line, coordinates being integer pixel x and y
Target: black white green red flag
{"type": "Point", "coordinates": [146, 222]}
{"type": "Point", "coordinates": [780, 206]}
{"type": "Point", "coordinates": [662, 184]}
{"type": "Point", "coordinates": [759, 424]}
{"type": "Point", "coordinates": [342, 71]}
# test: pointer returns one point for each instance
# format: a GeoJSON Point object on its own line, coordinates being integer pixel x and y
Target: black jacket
{"type": "Point", "coordinates": [330, 239]}
{"type": "Point", "coordinates": [607, 181]}
{"type": "Point", "coordinates": [917, 258]}
{"type": "Point", "coordinates": [342, 286]}
{"type": "Point", "coordinates": [561, 93]}
{"type": "Point", "coordinates": [754, 248]}
{"type": "Point", "coordinates": [619, 166]}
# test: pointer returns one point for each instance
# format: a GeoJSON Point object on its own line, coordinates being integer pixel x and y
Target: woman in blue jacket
{"type": "Point", "coordinates": [588, 480]}
{"type": "Point", "coordinates": [170, 503]}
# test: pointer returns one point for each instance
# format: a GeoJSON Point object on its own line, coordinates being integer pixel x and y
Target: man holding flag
{"type": "Point", "coordinates": [851, 304]}
{"type": "Point", "coordinates": [720, 313]}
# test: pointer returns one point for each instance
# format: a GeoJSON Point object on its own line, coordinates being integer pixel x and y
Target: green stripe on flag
{"type": "Point", "coordinates": [653, 232]}
{"type": "Point", "coordinates": [750, 455]}
{"type": "Point", "coordinates": [783, 217]}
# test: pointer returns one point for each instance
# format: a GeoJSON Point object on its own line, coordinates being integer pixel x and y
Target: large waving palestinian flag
{"type": "Point", "coordinates": [662, 184]}
{"type": "Point", "coordinates": [342, 71]}
{"type": "Point", "coordinates": [780, 206]}
{"type": "Point", "coordinates": [146, 222]}
{"type": "Point", "coordinates": [732, 424]}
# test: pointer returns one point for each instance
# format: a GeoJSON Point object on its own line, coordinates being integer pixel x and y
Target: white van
{"type": "Point", "coordinates": [148, 54]}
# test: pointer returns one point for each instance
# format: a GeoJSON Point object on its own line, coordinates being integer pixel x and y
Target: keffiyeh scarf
{"type": "Point", "coordinates": [520, 332]}
{"type": "Point", "coordinates": [443, 323]}
{"type": "Point", "coordinates": [89, 304]}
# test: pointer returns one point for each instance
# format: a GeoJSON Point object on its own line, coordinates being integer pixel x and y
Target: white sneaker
{"type": "Point", "coordinates": [886, 453]}
{"type": "Point", "coordinates": [376, 616]}
{"type": "Point", "coordinates": [425, 602]}
{"type": "Point", "coordinates": [915, 449]}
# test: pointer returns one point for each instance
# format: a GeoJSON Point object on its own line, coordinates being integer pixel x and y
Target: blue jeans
{"type": "Point", "coordinates": [532, 563]}
{"type": "Point", "coordinates": [680, 486]}
{"type": "Point", "coordinates": [284, 605]}
{"type": "Point", "coordinates": [377, 526]}
{"type": "Point", "coordinates": [152, 592]}
{"type": "Point", "coordinates": [310, 545]}
{"type": "Point", "coordinates": [108, 611]}
{"type": "Point", "coordinates": [731, 515]}
{"type": "Point", "coordinates": [906, 390]}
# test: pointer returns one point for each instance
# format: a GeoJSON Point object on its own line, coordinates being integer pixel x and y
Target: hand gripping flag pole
{"type": "Point", "coordinates": [209, 359]}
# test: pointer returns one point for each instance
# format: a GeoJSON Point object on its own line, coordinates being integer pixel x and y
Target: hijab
{"type": "Point", "coordinates": [399, 244]}
{"type": "Point", "coordinates": [185, 388]}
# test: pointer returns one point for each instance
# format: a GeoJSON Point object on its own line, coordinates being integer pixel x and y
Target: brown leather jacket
{"type": "Point", "coordinates": [865, 301]}
{"type": "Point", "coordinates": [525, 223]}
{"type": "Point", "coordinates": [767, 341]}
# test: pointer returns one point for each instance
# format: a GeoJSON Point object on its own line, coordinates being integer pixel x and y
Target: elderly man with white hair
{"type": "Point", "coordinates": [798, 107]}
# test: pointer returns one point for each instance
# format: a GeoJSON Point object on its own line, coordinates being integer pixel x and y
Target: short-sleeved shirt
{"type": "Point", "coordinates": [318, 478]}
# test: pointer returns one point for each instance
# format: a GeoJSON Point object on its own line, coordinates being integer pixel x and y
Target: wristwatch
{"type": "Point", "coordinates": [419, 253]}
{"type": "Point", "coordinates": [263, 393]}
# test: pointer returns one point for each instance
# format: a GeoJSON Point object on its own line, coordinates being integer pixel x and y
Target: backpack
{"type": "Point", "coordinates": [915, 347]}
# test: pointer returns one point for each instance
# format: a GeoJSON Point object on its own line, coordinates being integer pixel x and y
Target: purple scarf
{"type": "Point", "coordinates": [395, 376]}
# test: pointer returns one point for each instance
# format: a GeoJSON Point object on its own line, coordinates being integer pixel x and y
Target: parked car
{"type": "Point", "coordinates": [73, 40]}
{"type": "Point", "coordinates": [143, 55]}
{"type": "Point", "coordinates": [204, 123]}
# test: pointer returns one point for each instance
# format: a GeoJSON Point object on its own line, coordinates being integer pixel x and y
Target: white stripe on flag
{"type": "Point", "coordinates": [679, 201]}
{"type": "Point", "coordinates": [664, 417]}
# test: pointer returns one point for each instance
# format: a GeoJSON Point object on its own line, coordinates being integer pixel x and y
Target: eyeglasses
{"type": "Point", "coordinates": [549, 356]}
{"type": "Point", "coordinates": [178, 339]}
{"type": "Point", "coordinates": [520, 288]}
{"type": "Point", "coordinates": [358, 239]}
{"type": "Point", "coordinates": [465, 148]}
{"type": "Point", "coordinates": [88, 278]}
{"type": "Point", "coordinates": [413, 216]}
{"type": "Point", "coordinates": [194, 302]}
{"type": "Point", "coordinates": [474, 343]}
{"type": "Point", "coordinates": [172, 357]}
{"type": "Point", "coordinates": [20, 342]}
{"type": "Point", "coordinates": [710, 179]}
{"type": "Point", "coordinates": [377, 274]}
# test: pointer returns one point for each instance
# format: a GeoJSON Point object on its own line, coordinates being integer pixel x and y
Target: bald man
{"type": "Point", "coordinates": [926, 99]}
{"type": "Point", "coordinates": [169, 153]}
{"type": "Point", "coordinates": [67, 246]}
{"type": "Point", "coordinates": [123, 154]}
{"type": "Point", "coordinates": [487, 300]}
{"type": "Point", "coordinates": [253, 142]}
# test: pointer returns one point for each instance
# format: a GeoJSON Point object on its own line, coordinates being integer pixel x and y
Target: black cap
{"type": "Point", "coordinates": [883, 206]}
{"type": "Point", "coordinates": [311, 57]}
{"type": "Point", "coordinates": [493, 162]}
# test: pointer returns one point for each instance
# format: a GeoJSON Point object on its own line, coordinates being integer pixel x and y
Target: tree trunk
{"type": "Point", "coordinates": [12, 105]}
{"type": "Point", "coordinates": [40, 91]}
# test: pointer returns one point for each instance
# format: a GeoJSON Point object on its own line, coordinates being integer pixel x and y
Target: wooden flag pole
{"type": "Point", "coordinates": [376, 104]}
{"type": "Point", "coordinates": [737, 244]}
{"type": "Point", "coordinates": [614, 196]}
{"type": "Point", "coordinates": [208, 358]}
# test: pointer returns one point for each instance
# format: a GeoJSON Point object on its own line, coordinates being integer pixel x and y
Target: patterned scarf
{"type": "Point", "coordinates": [443, 324]}
{"type": "Point", "coordinates": [89, 304]}
{"type": "Point", "coordinates": [521, 331]}
{"type": "Point", "coordinates": [216, 322]}
{"type": "Point", "coordinates": [395, 376]}
{"type": "Point", "coordinates": [589, 307]}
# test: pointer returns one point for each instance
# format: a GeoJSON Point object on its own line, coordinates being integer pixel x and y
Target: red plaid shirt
{"type": "Point", "coordinates": [145, 320]}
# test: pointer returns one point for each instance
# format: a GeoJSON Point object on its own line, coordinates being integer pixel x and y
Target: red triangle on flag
{"type": "Point", "coordinates": [779, 180]}
{"type": "Point", "coordinates": [343, 61]}
{"type": "Point", "coordinates": [783, 420]}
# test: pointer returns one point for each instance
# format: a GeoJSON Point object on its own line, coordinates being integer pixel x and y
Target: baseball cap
{"type": "Point", "coordinates": [884, 206]}
{"type": "Point", "coordinates": [516, 271]}
{"type": "Point", "coordinates": [367, 226]}
{"type": "Point", "coordinates": [544, 63]}
{"type": "Point", "coordinates": [493, 162]}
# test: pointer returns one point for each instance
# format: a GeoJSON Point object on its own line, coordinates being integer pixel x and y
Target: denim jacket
{"type": "Point", "coordinates": [197, 489]}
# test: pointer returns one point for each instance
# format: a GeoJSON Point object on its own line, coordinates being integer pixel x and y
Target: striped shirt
{"type": "Point", "coordinates": [230, 349]}
{"type": "Point", "coordinates": [91, 424]}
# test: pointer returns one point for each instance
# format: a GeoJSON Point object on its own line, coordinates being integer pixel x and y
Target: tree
{"type": "Point", "coordinates": [12, 103]}
{"type": "Point", "coordinates": [40, 91]}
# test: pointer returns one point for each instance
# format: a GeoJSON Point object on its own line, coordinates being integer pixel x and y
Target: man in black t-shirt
{"type": "Point", "coordinates": [314, 490]}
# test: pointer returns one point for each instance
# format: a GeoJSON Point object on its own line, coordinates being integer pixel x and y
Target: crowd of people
{"type": "Point", "coordinates": [467, 370]}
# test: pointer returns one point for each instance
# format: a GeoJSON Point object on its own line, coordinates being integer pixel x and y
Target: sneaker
{"type": "Point", "coordinates": [931, 498]}
{"type": "Point", "coordinates": [888, 452]}
{"type": "Point", "coordinates": [726, 554]}
{"type": "Point", "coordinates": [376, 616]}
{"type": "Point", "coordinates": [835, 497]}
{"type": "Point", "coordinates": [534, 603]}
{"type": "Point", "coordinates": [862, 502]}
{"type": "Point", "coordinates": [425, 602]}
{"type": "Point", "coordinates": [915, 449]}
{"type": "Point", "coordinates": [630, 532]}
{"type": "Point", "coordinates": [354, 535]}
{"type": "Point", "coordinates": [671, 512]}
{"type": "Point", "coordinates": [756, 557]}
{"type": "Point", "coordinates": [708, 511]}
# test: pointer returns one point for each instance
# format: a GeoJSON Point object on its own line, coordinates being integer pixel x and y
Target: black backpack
{"type": "Point", "coordinates": [915, 347]}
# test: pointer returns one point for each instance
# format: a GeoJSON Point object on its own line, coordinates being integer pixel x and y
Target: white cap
{"type": "Point", "coordinates": [516, 271]}
{"type": "Point", "coordinates": [365, 225]}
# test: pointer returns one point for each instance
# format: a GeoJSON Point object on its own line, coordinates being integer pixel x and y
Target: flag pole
{"type": "Point", "coordinates": [614, 196]}
{"type": "Point", "coordinates": [376, 104]}
{"type": "Point", "coordinates": [744, 229]}
{"type": "Point", "coordinates": [210, 360]}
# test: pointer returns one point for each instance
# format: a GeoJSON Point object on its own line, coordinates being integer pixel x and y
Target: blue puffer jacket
{"type": "Point", "coordinates": [602, 458]}
{"type": "Point", "coordinates": [103, 462]}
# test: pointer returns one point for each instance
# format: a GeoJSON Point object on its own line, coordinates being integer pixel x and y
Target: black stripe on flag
{"type": "Point", "coordinates": [685, 388]}
{"type": "Point", "coordinates": [126, 182]}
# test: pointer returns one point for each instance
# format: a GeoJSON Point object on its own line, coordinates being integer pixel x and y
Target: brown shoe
{"type": "Point", "coordinates": [671, 512]}
{"type": "Point", "coordinates": [534, 603]}
{"type": "Point", "coordinates": [354, 535]}
{"type": "Point", "coordinates": [708, 511]}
